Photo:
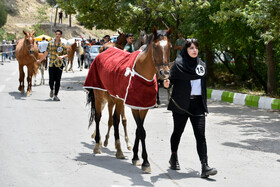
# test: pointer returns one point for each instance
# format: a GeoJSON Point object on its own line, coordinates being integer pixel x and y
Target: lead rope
{"type": "Point", "coordinates": [58, 63]}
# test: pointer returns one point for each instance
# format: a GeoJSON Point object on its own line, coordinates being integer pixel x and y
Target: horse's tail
{"type": "Point", "coordinates": [91, 101]}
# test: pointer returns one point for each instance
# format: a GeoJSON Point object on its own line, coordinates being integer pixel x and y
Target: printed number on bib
{"type": "Point", "coordinates": [200, 70]}
{"type": "Point", "coordinates": [59, 49]}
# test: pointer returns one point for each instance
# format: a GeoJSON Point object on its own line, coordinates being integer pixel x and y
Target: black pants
{"type": "Point", "coordinates": [198, 124]}
{"type": "Point", "coordinates": [55, 77]}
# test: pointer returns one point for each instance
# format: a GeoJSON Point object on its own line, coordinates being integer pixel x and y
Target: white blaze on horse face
{"type": "Point", "coordinates": [163, 43]}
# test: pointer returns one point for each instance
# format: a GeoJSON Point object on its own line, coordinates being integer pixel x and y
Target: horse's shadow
{"type": "Point", "coordinates": [107, 160]}
{"type": "Point", "coordinates": [18, 95]}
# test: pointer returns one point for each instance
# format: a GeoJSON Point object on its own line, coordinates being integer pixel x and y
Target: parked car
{"type": "Point", "coordinates": [93, 52]}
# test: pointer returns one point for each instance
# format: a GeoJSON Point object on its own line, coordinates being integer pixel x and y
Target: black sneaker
{"type": "Point", "coordinates": [51, 94]}
{"type": "Point", "coordinates": [55, 98]}
{"type": "Point", "coordinates": [174, 164]}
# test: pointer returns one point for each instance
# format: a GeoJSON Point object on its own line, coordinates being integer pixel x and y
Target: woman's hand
{"type": "Point", "coordinates": [166, 83]}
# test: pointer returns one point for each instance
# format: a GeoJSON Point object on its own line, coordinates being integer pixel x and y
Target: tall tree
{"type": "Point", "coordinates": [3, 13]}
{"type": "Point", "coordinates": [264, 17]}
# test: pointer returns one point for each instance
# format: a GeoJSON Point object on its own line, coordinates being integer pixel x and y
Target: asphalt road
{"type": "Point", "coordinates": [47, 143]}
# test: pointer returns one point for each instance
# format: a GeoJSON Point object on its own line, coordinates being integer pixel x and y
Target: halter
{"type": "Point", "coordinates": [29, 50]}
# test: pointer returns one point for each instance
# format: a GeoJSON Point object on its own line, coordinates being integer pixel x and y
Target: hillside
{"type": "Point", "coordinates": [22, 13]}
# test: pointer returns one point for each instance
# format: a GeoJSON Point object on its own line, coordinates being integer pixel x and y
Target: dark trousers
{"type": "Point", "coordinates": [54, 78]}
{"type": "Point", "coordinates": [198, 124]}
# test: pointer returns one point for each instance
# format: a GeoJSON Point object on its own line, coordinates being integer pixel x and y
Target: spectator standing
{"type": "Point", "coordinates": [179, 44]}
{"type": "Point", "coordinates": [129, 43]}
{"type": "Point", "coordinates": [106, 39]}
{"type": "Point", "coordinates": [10, 50]}
{"type": "Point", "coordinates": [60, 16]}
{"type": "Point", "coordinates": [4, 50]}
{"type": "Point", "coordinates": [42, 46]}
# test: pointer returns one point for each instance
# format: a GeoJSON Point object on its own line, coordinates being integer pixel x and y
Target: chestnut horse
{"type": "Point", "coordinates": [71, 53]}
{"type": "Point", "coordinates": [115, 102]}
{"type": "Point", "coordinates": [41, 67]}
{"type": "Point", "coordinates": [154, 58]}
{"type": "Point", "coordinates": [26, 55]}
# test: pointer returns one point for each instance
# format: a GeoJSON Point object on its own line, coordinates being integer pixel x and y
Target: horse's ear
{"type": "Point", "coordinates": [155, 31]}
{"type": "Point", "coordinates": [170, 30]}
{"type": "Point", "coordinates": [24, 33]}
{"type": "Point", "coordinates": [119, 32]}
{"type": "Point", "coordinates": [33, 32]}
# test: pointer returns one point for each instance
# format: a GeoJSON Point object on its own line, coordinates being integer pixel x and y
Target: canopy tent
{"type": "Point", "coordinates": [39, 38]}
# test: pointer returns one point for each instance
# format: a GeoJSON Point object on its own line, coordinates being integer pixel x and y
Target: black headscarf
{"type": "Point", "coordinates": [185, 66]}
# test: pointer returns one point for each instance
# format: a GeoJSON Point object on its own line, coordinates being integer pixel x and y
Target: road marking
{"type": "Point", "coordinates": [2, 87]}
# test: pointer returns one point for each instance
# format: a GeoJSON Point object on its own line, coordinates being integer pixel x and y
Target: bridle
{"type": "Point", "coordinates": [30, 45]}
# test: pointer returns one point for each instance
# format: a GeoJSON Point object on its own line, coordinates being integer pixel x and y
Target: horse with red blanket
{"type": "Point", "coordinates": [133, 83]}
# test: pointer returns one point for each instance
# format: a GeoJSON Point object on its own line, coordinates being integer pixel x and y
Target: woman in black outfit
{"type": "Point", "coordinates": [189, 100]}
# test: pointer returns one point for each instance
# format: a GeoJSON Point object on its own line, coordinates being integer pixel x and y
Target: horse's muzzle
{"type": "Point", "coordinates": [163, 74]}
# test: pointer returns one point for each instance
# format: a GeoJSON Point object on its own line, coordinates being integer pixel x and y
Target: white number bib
{"type": "Point", "coordinates": [200, 70]}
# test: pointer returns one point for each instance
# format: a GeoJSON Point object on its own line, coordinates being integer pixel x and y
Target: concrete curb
{"type": "Point", "coordinates": [244, 99]}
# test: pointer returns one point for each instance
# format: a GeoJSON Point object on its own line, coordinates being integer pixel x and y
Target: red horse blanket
{"type": "Point", "coordinates": [113, 71]}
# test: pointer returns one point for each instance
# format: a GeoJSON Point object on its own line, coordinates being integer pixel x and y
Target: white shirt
{"type": "Point", "coordinates": [196, 87]}
{"type": "Point", "coordinates": [42, 46]}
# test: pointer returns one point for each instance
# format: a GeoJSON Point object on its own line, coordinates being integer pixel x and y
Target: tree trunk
{"type": "Point", "coordinates": [271, 68]}
{"type": "Point", "coordinates": [69, 20]}
{"type": "Point", "coordinates": [253, 70]}
{"type": "Point", "coordinates": [56, 9]}
{"type": "Point", "coordinates": [210, 64]}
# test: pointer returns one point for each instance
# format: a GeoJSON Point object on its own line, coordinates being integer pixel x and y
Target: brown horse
{"type": "Point", "coordinates": [154, 58]}
{"type": "Point", "coordinates": [27, 54]}
{"type": "Point", "coordinates": [115, 102]}
{"type": "Point", "coordinates": [71, 53]}
{"type": "Point", "coordinates": [41, 67]}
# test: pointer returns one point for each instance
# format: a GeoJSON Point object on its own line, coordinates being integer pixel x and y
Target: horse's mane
{"type": "Point", "coordinates": [150, 39]}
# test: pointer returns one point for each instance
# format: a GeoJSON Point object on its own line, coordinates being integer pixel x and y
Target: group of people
{"type": "Point", "coordinates": [7, 50]}
{"type": "Point", "coordinates": [188, 99]}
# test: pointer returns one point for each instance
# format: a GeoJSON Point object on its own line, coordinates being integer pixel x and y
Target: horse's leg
{"type": "Point", "coordinates": [34, 76]}
{"type": "Point", "coordinates": [71, 66]}
{"type": "Point", "coordinates": [139, 117]}
{"type": "Point", "coordinates": [65, 69]}
{"type": "Point", "coordinates": [21, 78]}
{"type": "Point", "coordinates": [42, 73]}
{"type": "Point", "coordinates": [110, 121]}
{"type": "Point", "coordinates": [29, 79]}
{"type": "Point", "coordinates": [98, 95]}
{"type": "Point", "coordinates": [124, 122]}
{"type": "Point", "coordinates": [116, 122]}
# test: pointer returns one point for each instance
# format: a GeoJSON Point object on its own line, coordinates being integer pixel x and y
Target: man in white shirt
{"type": "Point", "coordinates": [42, 46]}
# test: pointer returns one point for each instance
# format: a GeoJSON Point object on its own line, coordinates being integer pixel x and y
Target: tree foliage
{"type": "Point", "coordinates": [3, 13]}
{"type": "Point", "coordinates": [246, 32]}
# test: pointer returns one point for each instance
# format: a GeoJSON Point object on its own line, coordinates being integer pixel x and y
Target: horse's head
{"type": "Point", "coordinates": [29, 42]}
{"type": "Point", "coordinates": [161, 51]}
{"type": "Point", "coordinates": [121, 39]}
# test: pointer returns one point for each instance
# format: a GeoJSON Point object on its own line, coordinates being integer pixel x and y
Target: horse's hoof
{"type": "Point", "coordinates": [28, 94]}
{"type": "Point", "coordinates": [136, 162]}
{"type": "Point", "coordinates": [106, 143]}
{"type": "Point", "coordinates": [96, 151]}
{"type": "Point", "coordinates": [146, 169]}
{"type": "Point", "coordinates": [120, 155]}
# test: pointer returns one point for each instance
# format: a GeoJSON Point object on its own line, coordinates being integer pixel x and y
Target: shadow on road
{"type": "Point", "coordinates": [18, 95]}
{"type": "Point", "coordinates": [107, 160]}
{"type": "Point", "coordinates": [261, 127]}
